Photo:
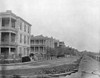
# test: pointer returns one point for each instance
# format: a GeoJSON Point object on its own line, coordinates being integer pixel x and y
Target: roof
{"type": "Point", "coordinates": [38, 37]}
{"type": "Point", "coordinates": [10, 12]}
{"type": "Point", "coordinates": [43, 37]}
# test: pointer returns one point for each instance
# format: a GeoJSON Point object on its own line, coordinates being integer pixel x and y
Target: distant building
{"type": "Point", "coordinates": [14, 35]}
{"type": "Point", "coordinates": [51, 42]}
{"type": "Point", "coordinates": [39, 44]}
{"type": "Point", "coordinates": [61, 44]}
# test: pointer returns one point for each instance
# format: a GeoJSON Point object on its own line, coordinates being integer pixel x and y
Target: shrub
{"type": "Point", "coordinates": [16, 76]}
{"type": "Point", "coordinates": [26, 59]}
{"type": "Point", "coordinates": [8, 61]}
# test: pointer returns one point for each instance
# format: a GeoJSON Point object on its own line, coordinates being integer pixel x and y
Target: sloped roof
{"type": "Point", "coordinates": [9, 12]}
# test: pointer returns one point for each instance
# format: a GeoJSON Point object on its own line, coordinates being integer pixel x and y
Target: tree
{"type": "Point", "coordinates": [59, 52]}
{"type": "Point", "coordinates": [50, 52]}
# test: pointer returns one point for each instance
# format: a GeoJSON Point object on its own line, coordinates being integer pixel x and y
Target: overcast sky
{"type": "Point", "coordinates": [76, 22]}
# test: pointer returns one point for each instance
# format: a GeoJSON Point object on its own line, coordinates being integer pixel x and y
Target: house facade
{"type": "Point", "coordinates": [40, 43]}
{"type": "Point", "coordinates": [14, 35]}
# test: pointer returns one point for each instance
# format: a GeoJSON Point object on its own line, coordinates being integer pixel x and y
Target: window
{"type": "Point", "coordinates": [13, 21]}
{"type": "Point", "coordinates": [20, 38]}
{"type": "Point", "coordinates": [27, 39]}
{"type": "Point", "coordinates": [24, 51]}
{"type": "Point", "coordinates": [5, 21]}
{"type": "Point", "coordinates": [28, 51]}
{"type": "Point", "coordinates": [41, 49]}
{"type": "Point", "coordinates": [28, 29]}
{"type": "Point", "coordinates": [20, 50]}
{"type": "Point", "coordinates": [20, 25]}
{"type": "Point", "coordinates": [5, 37]}
{"type": "Point", "coordinates": [36, 49]}
{"type": "Point", "coordinates": [32, 41]}
{"type": "Point", "coordinates": [13, 37]}
{"type": "Point", "coordinates": [24, 27]}
{"type": "Point", "coordinates": [37, 41]}
{"type": "Point", "coordinates": [24, 39]}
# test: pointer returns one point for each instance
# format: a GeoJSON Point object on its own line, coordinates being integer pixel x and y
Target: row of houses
{"type": "Point", "coordinates": [16, 39]}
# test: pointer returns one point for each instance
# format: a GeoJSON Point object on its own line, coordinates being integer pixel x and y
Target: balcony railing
{"type": "Point", "coordinates": [8, 43]}
{"type": "Point", "coordinates": [37, 43]}
{"type": "Point", "coordinates": [8, 28]}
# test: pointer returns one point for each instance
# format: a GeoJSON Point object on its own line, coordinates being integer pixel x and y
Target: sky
{"type": "Point", "coordinates": [76, 22]}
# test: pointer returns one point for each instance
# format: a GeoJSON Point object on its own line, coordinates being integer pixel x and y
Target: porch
{"type": "Point", "coordinates": [8, 38]}
{"type": "Point", "coordinates": [8, 52]}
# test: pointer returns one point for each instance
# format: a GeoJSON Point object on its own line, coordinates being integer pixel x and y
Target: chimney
{"type": "Point", "coordinates": [8, 11]}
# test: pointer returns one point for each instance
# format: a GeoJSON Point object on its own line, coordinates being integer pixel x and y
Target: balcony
{"type": "Point", "coordinates": [7, 43]}
{"type": "Point", "coordinates": [8, 38]}
{"type": "Point", "coordinates": [8, 24]}
{"type": "Point", "coordinates": [8, 29]}
{"type": "Point", "coordinates": [9, 52]}
{"type": "Point", "coordinates": [38, 42]}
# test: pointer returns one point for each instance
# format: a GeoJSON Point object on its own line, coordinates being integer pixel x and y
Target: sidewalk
{"type": "Point", "coordinates": [21, 67]}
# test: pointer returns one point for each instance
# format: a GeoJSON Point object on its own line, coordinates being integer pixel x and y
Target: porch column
{"type": "Point", "coordinates": [0, 37]}
{"type": "Point", "coordinates": [33, 49]}
{"type": "Point", "coordinates": [28, 52]}
{"type": "Point", "coordinates": [16, 51]}
{"type": "Point", "coordinates": [39, 49]}
{"type": "Point", "coordinates": [44, 42]}
{"type": "Point", "coordinates": [9, 50]}
{"type": "Point", "coordinates": [39, 42]}
{"type": "Point", "coordinates": [9, 37]}
{"type": "Point", "coordinates": [43, 49]}
{"type": "Point", "coordinates": [0, 50]}
{"type": "Point", "coordinates": [9, 21]}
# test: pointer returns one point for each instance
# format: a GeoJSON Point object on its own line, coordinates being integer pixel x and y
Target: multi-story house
{"type": "Point", "coordinates": [39, 44]}
{"type": "Point", "coordinates": [14, 35]}
{"type": "Point", "coordinates": [51, 42]}
{"type": "Point", "coordinates": [62, 44]}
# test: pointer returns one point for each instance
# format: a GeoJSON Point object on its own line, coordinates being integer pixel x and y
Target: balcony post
{"type": "Point", "coordinates": [0, 37]}
{"type": "Point", "coordinates": [43, 42]}
{"type": "Point", "coordinates": [16, 51]}
{"type": "Point", "coordinates": [0, 50]}
{"type": "Point", "coordinates": [10, 22]}
{"type": "Point", "coordinates": [9, 50]}
{"type": "Point", "coordinates": [15, 38]}
{"type": "Point", "coordinates": [9, 37]}
{"type": "Point", "coordinates": [33, 49]}
{"type": "Point", "coordinates": [38, 49]}
{"type": "Point", "coordinates": [43, 49]}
